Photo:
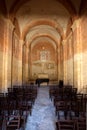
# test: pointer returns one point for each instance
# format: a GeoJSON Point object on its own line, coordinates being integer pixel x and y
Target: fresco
{"type": "Point", "coordinates": [44, 64]}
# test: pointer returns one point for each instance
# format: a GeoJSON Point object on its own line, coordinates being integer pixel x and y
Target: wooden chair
{"type": "Point", "coordinates": [74, 108]}
{"type": "Point", "coordinates": [81, 124]}
{"type": "Point", "coordinates": [61, 106]}
{"type": "Point", "coordinates": [51, 93]}
{"type": "Point", "coordinates": [24, 108]}
{"type": "Point", "coordinates": [84, 105]}
{"type": "Point", "coordinates": [13, 122]}
{"type": "Point", "coordinates": [1, 108]}
{"type": "Point", "coordinates": [65, 125]}
{"type": "Point", "coordinates": [1, 103]}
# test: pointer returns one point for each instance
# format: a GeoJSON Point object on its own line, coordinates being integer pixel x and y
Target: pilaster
{"type": "Point", "coordinates": [77, 43]}
{"type": "Point", "coordinates": [20, 62]}
{"type": "Point", "coordinates": [64, 43]}
{"type": "Point", "coordinates": [7, 57]}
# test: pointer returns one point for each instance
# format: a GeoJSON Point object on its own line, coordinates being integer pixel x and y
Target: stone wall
{"type": "Point", "coordinates": [25, 64]}
{"type": "Point", "coordinates": [2, 23]}
{"type": "Point", "coordinates": [43, 60]}
{"type": "Point", "coordinates": [20, 48]}
{"type": "Point", "coordinates": [18, 62]}
{"type": "Point", "coordinates": [68, 60]}
{"type": "Point", "coordinates": [10, 56]}
{"type": "Point", "coordinates": [84, 50]}
{"type": "Point", "coordinates": [15, 60]}
{"type": "Point", "coordinates": [75, 55]}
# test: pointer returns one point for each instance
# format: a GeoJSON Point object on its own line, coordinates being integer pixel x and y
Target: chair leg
{"type": "Point", "coordinates": [58, 115]}
{"type": "Point", "coordinates": [65, 114]}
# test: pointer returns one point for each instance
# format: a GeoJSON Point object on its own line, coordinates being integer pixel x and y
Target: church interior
{"type": "Point", "coordinates": [43, 51]}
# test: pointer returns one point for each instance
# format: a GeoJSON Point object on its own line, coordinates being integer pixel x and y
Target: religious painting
{"type": "Point", "coordinates": [44, 64]}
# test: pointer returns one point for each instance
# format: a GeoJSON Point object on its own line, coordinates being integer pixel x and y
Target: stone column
{"type": "Point", "coordinates": [25, 64]}
{"type": "Point", "coordinates": [68, 59]}
{"type": "Point", "coordinates": [2, 39]}
{"type": "Point", "coordinates": [8, 39]}
{"type": "Point", "coordinates": [30, 65]}
{"type": "Point", "coordinates": [64, 61]}
{"type": "Point", "coordinates": [77, 43]}
{"type": "Point", "coordinates": [59, 63]}
{"type": "Point", "coordinates": [27, 67]}
{"type": "Point", "coordinates": [29, 60]}
{"type": "Point", "coordinates": [21, 42]}
{"type": "Point", "coordinates": [15, 59]}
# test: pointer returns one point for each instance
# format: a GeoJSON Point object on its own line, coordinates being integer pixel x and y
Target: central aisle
{"type": "Point", "coordinates": [43, 113]}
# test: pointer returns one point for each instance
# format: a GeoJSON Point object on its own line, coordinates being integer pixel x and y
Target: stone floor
{"type": "Point", "coordinates": [43, 112]}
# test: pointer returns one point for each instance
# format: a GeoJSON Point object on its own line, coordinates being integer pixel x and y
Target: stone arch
{"type": "Point", "coordinates": [42, 22]}
{"type": "Point", "coordinates": [68, 5]}
{"type": "Point", "coordinates": [17, 29]}
{"type": "Point", "coordinates": [43, 35]}
{"type": "Point", "coordinates": [70, 22]}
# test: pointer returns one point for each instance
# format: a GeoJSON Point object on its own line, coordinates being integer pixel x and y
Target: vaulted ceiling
{"type": "Point", "coordinates": [43, 18]}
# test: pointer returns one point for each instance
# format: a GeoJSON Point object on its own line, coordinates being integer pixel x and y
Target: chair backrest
{"type": "Point", "coordinates": [13, 123]}
{"type": "Point", "coordinates": [81, 124]}
{"type": "Point", "coordinates": [65, 125]}
{"type": "Point", "coordinates": [61, 105]}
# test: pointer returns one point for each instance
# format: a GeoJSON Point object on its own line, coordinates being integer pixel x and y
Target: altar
{"type": "Point", "coordinates": [41, 80]}
{"type": "Point", "coordinates": [42, 77]}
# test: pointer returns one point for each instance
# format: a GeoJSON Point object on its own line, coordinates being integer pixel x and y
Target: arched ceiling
{"type": "Point", "coordinates": [14, 5]}
{"type": "Point", "coordinates": [76, 4]}
{"type": "Point", "coordinates": [42, 30]}
{"type": "Point", "coordinates": [42, 36]}
{"type": "Point", "coordinates": [54, 10]}
{"type": "Point", "coordinates": [45, 40]}
{"type": "Point", "coordinates": [37, 18]}
{"type": "Point", "coordinates": [42, 21]}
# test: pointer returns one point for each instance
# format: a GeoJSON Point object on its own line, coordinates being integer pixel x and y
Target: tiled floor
{"type": "Point", "coordinates": [43, 113]}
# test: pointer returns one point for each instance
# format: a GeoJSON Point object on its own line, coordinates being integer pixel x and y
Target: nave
{"type": "Point", "coordinates": [43, 108]}
{"type": "Point", "coordinates": [43, 113]}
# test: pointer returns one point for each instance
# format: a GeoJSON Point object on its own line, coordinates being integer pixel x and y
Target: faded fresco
{"type": "Point", "coordinates": [44, 63]}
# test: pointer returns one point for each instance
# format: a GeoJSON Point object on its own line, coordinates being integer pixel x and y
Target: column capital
{"type": "Point", "coordinates": [10, 24]}
{"type": "Point", "coordinates": [64, 42]}
{"type": "Point", "coordinates": [16, 35]}
{"type": "Point", "coordinates": [76, 24]}
{"type": "Point", "coordinates": [64, 33]}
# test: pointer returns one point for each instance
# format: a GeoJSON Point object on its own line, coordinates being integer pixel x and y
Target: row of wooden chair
{"type": "Point", "coordinates": [16, 105]}
{"type": "Point", "coordinates": [70, 107]}
{"type": "Point", "coordinates": [67, 91]}
{"type": "Point", "coordinates": [78, 106]}
{"type": "Point", "coordinates": [77, 124]}
{"type": "Point", "coordinates": [67, 99]}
